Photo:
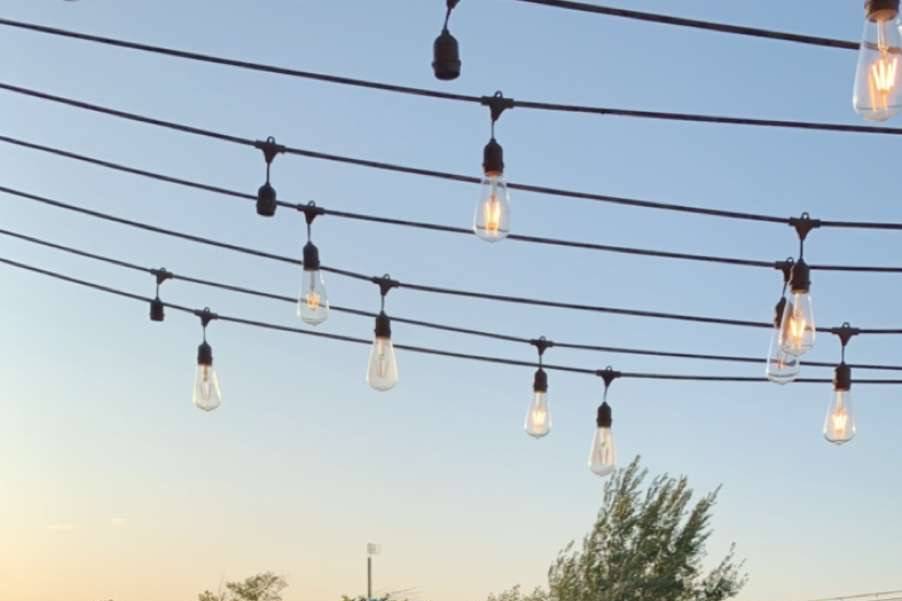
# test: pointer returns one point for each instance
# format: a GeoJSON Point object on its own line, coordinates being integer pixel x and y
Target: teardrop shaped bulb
{"type": "Point", "coordinates": [207, 395]}
{"type": "Point", "coordinates": [313, 302]}
{"type": "Point", "coordinates": [383, 368]}
{"type": "Point", "coordinates": [491, 222]}
{"type": "Point", "coordinates": [538, 417]}
{"type": "Point", "coordinates": [602, 455]}
{"type": "Point", "coordinates": [797, 329]}
{"type": "Point", "coordinates": [878, 76]}
{"type": "Point", "coordinates": [782, 367]}
{"type": "Point", "coordinates": [839, 425]}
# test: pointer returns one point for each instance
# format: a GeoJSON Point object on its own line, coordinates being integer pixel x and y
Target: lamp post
{"type": "Point", "coordinates": [371, 549]}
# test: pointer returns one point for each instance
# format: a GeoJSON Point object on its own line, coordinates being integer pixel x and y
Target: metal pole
{"type": "Point", "coordinates": [369, 577]}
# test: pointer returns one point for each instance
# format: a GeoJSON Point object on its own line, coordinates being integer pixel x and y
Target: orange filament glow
{"type": "Point", "coordinates": [491, 212]}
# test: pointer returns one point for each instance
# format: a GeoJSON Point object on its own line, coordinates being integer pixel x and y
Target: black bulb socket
{"type": "Point", "coordinates": [383, 325]}
{"type": "Point", "coordinates": [540, 381]}
{"type": "Point", "coordinates": [205, 354]}
{"type": "Point", "coordinates": [311, 257]}
{"type": "Point", "coordinates": [800, 280]}
{"type": "Point", "coordinates": [779, 309]}
{"type": "Point", "coordinates": [493, 158]}
{"type": "Point", "coordinates": [157, 312]}
{"type": "Point", "coordinates": [842, 377]}
{"type": "Point", "coordinates": [604, 419]}
{"type": "Point", "coordinates": [266, 200]}
{"type": "Point", "coordinates": [881, 10]}
{"type": "Point", "coordinates": [446, 56]}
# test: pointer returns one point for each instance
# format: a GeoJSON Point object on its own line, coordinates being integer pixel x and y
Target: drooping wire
{"type": "Point", "coordinates": [415, 322]}
{"type": "Point", "coordinates": [418, 349]}
{"type": "Point", "coordinates": [410, 285]}
{"type": "Point", "coordinates": [399, 89]}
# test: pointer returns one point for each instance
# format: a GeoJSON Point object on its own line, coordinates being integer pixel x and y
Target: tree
{"type": "Point", "coordinates": [644, 546]}
{"type": "Point", "coordinates": [262, 587]}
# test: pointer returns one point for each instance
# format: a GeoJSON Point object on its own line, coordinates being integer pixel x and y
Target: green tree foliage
{"type": "Point", "coordinates": [262, 587]}
{"type": "Point", "coordinates": [647, 544]}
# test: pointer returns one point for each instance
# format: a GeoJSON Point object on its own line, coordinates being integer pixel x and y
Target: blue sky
{"type": "Point", "coordinates": [115, 486]}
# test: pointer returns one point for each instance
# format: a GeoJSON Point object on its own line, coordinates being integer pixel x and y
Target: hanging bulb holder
{"type": "Point", "coordinates": [803, 225]}
{"type": "Point", "coordinates": [383, 326]}
{"type": "Point", "coordinates": [385, 283]}
{"type": "Point", "coordinates": [608, 375]}
{"type": "Point", "coordinates": [800, 280]}
{"type": "Point", "coordinates": [779, 309]}
{"type": "Point", "coordinates": [542, 344]}
{"type": "Point", "coordinates": [881, 10]}
{"type": "Point", "coordinates": [786, 268]}
{"type": "Point", "coordinates": [311, 211]}
{"type": "Point", "coordinates": [311, 257]}
{"type": "Point", "coordinates": [845, 333]}
{"type": "Point", "coordinates": [540, 381]}
{"type": "Point", "coordinates": [206, 316]}
{"type": "Point", "coordinates": [605, 418]}
{"type": "Point", "coordinates": [157, 307]}
{"type": "Point", "coordinates": [446, 51]}
{"type": "Point", "coordinates": [266, 195]}
{"type": "Point", "coordinates": [497, 104]}
{"type": "Point", "coordinates": [842, 377]}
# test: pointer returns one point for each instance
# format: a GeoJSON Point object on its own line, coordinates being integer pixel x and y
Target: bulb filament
{"type": "Point", "coordinates": [381, 359]}
{"type": "Point", "coordinates": [491, 212]}
{"type": "Point", "coordinates": [882, 74]}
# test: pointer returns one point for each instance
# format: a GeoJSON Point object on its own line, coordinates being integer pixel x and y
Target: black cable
{"type": "Point", "coordinates": [419, 287]}
{"type": "Point", "coordinates": [698, 24]}
{"type": "Point", "coordinates": [362, 83]}
{"type": "Point", "coordinates": [419, 349]}
{"type": "Point", "coordinates": [420, 323]}
{"type": "Point", "coordinates": [434, 226]}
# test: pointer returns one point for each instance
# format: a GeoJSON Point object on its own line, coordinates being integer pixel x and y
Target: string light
{"type": "Point", "coordinates": [382, 371]}
{"type": "Point", "coordinates": [878, 75]}
{"type": "Point", "coordinates": [313, 301]}
{"type": "Point", "coordinates": [157, 308]}
{"type": "Point", "coordinates": [797, 330]}
{"type": "Point", "coordinates": [602, 453]}
{"type": "Point", "coordinates": [207, 394]}
{"type": "Point", "coordinates": [491, 221]}
{"type": "Point", "coordinates": [782, 367]}
{"type": "Point", "coordinates": [266, 195]}
{"type": "Point", "coordinates": [538, 416]}
{"type": "Point", "coordinates": [839, 424]}
{"type": "Point", "coordinates": [445, 50]}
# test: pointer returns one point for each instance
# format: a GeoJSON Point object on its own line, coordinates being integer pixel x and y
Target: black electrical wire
{"type": "Point", "coordinates": [417, 287]}
{"type": "Point", "coordinates": [387, 87]}
{"type": "Point", "coordinates": [434, 226]}
{"type": "Point", "coordinates": [698, 24]}
{"type": "Point", "coordinates": [619, 200]}
{"type": "Point", "coordinates": [415, 322]}
{"type": "Point", "coordinates": [419, 349]}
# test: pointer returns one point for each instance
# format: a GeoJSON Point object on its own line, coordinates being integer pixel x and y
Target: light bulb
{"type": "Point", "coordinates": [877, 78]}
{"type": "Point", "coordinates": [782, 367]}
{"type": "Point", "coordinates": [797, 328]}
{"type": "Point", "coordinates": [538, 417]}
{"type": "Point", "coordinates": [839, 425]}
{"type": "Point", "coordinates": [313, 303]}
{"type": "Point", "coordinates": [207, 395]}
{"type": "Point", "coordinates": [602, 455]}
{"type": "Point", "coordinates": [491, 221]}
{"type": "Point", "coordinates": [382, 373]}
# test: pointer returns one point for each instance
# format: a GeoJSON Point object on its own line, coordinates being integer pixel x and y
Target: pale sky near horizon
{"type": "Point", "coordinates": [113, 486]}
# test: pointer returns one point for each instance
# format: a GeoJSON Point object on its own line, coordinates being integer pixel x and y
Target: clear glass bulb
{"type": "Point", "coordinates": [491, 222]}
{"type": "Point", "coordinates": [207, 395]}
{"type": "Point", "coordinates": [313, 302]}
{"type": "Point", "coordinates": [877, 79]}
{"type": "Point", "coordinates": [602, 455]}
{"type": "Point", "coordinates": [538, 418]}
{"type": "Point", "coordinates": [383, 369]}
{"type": "Point", "coordinates": [782, 367]}
{"type": "Point", "coordinates": [839, 425]}
{"type": "Point", "coordinates": [797, 329]}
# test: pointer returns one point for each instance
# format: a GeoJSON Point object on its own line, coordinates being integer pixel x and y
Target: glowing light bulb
{"type": "Point", "coordinates": [313, 302]}
{"type": "Point", "coordinates": [382, 373]}
{"type": "Point", "coordinates": [782, 367]}
{"type": "Point", "coordinates": [877, 78]}
{"type": "Point", "coordinates": [207, 394]}
{"type": "Point", "coordinates": [602, 454]}
{"type": "Point", "coordinates": [538, 417]}
{"type": "Point", "coordinates": [492, 219]}
{"type": "Point", "coordinates": [797, 328]}
{"type": "Point", "coordinates": [839, 425]}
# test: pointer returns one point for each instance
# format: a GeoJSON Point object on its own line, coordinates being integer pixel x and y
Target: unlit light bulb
{"type": "Point", "coordinates": [839, 425]}
{"type": "Point", "coordinates": [877, 78]}
{"type": "Point", "coordinates": [538, 417]}
{"type": "Point", "coordinates": [602, 455]}
{"type": "Point", "coordinates": [207, 394]}
{"type": "Point", "coordinates": [382, 373]}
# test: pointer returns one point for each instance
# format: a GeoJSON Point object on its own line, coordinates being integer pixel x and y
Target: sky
{"type": "Point", "coordinates": [113, 486]}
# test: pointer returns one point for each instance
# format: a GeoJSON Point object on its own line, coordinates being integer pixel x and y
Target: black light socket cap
{"type": "Point", "coordinates": [778, 312]}
{"type": "Point", "coordinates": [881, 10]}
{"type": "Point", "coordinates": [446, 57]}
{"type": "Point", "coordinates": [604, 419]}
{"type": "Point", "coordinates": [204, 354]}
{"type": "Point", "coordinates": [842, 377]}
{"type": "Point", "coordinates": [266, 200]}
{"type": "Point", "coordinates": [157, 312]}
{"type": "Point", "coordinates": [540, 381]}
{"type": "Point", "coordinates": [493, 158]}
{"type": "Point", "coordinates": [383, 325]}
{"type": "Point", "coordinates": [311, 257]}
{"type": "Point", "coordinates": [800, 280]}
